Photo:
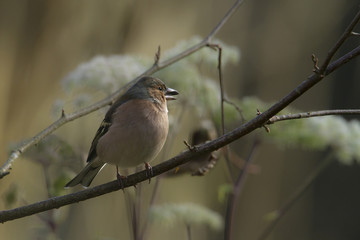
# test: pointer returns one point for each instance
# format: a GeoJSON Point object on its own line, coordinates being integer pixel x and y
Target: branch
{"type": "Point", "coordinates": [64, 118]}
{"type": "Point", "coordinates": [342, 60]}
{"type": "Point", "coordinates": [313, 114]}
{"type": "Point", "coordinates": [347, 33]}
{"type": "Point", "coordinates": [5, 169]}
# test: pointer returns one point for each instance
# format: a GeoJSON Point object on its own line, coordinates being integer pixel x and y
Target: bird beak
{"type": "Point", "coordinates": [169, 94]}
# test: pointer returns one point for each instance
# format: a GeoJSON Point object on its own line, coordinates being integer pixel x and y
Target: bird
{"type": "Point", "coordinates": [133, 131]}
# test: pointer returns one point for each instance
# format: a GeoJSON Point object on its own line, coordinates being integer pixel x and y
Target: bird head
{"type": "Point", "coordinates": [153, 88]}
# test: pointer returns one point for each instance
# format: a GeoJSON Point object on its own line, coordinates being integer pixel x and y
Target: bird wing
{"type": "Point", "coordinates": [104, 126]}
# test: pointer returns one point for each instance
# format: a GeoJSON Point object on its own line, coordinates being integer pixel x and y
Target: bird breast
{"type": "Point", "coordinates": [137, 134]}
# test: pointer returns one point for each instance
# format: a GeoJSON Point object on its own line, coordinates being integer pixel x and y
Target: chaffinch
{"type": "Point", "coordinates": [133, 131]}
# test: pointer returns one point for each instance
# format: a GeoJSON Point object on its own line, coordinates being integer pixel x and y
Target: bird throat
{"type": "Point", "coordinates": [160, 105]}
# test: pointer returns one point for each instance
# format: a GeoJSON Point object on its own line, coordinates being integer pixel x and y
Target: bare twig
{"type": "Point", "coordinates": [157, 56]}
{"type": "Point", "coordinates": [218, 47]}
{"type": "Point", "coordinates": [200, 45]}
{"type": "Point", "coordinates": [342, 60]}
{"type": "Point", "coordinates": [230, 12]}
{"type": "Point", "coordinates": [236, 107]}
{"type": "Point", "coordinates": [315, 61]}
{"type": "Point", "coordinates": [188, 231]}
{"type": "Point", "coordinates": [222, 99]}
{"type": "Point", "coordinates": [279, 213]}
{"type": "Point", "coordinates": [347, 33]}
{"type": "Point", "coordinates": [134, 220]}
{"type": "Point", "coordinates": [239, 183]}
{"type": "Point", "coordinates": [313, 114]}
{"type": "Point", "coordinates": [5, 169]}
{"type": "Point", "coordinates": [267, 129]}
{"type": "Point", "coordinates": [191, 148]}
{"type": "Point", "coordinates": [64, 118]}
{"type": "Point", "coordinates": [137, 212]}
{"type": "Point", "coordinates": [152, 202]}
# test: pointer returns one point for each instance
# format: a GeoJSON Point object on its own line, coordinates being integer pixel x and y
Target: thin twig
{"type": "Point", "coordinates": [129, 203]}
{"type": "Point", "coordinates": [191, 148]}
{"type": "Point", "coordinates": [313, 114]}
{"type": "Point", "coordinates": [157, 56]}
{"type": "Point", "coordinates": [137, 211]}
{"type": "Point", "coordinates": [295, 196]}
{"type": "Point", "coordinates": [236, 107]}
{"type": "Point", "coordinates": [347, 33]}
{"type": "Point", "coordinates": [218, 47]}
{"type": "Point", "coordinates": [342, 60]}
{"type": "Point", "coordinates": [6, 167]}
{"type": "Point", "coordinates": [152, 202]}
{"type": "Point", "coordinates": [188, 231]}
{"type": "Point", "coordinates": [230, 13]}
{"type": "Point", "coordinates": [267, 129]}
{"type": "Point", "coordinates": [237, 188]}
{"type": "Point", "coordinates": [315, 61]}
{"type": "Point", "coordinates": [181, 158]}
{"type": "Point", "coordinates": [134, 221]}
{"type": "Point", "coordinates": [65, 118]}
{"type": "Point", "coordinates": [222, 99]}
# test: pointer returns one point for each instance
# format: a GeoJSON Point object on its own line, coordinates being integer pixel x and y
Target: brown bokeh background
{"type": "Point", "coordinates": [41, 41]}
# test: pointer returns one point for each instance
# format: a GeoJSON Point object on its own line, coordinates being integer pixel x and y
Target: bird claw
{"type": "Point", "coordinates": [149, 171]}
{"type": "Point", "coordinates": [120, 179]}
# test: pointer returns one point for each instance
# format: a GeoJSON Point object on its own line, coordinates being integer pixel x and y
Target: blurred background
{"type": "Point", "coordinates": [42, 41]}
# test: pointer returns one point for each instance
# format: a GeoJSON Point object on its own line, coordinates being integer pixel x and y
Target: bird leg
{"type": "Point", "coordinates": [120, 178]}
{"type": "Point", "coordinates": [149, 171]}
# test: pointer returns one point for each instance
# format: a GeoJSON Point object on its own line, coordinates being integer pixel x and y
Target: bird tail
{"type": "Point", "coordinates": [87, 175]}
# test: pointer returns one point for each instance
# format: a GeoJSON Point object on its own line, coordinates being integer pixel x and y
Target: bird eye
{"type": "Point", "coordinates": [160, 88]}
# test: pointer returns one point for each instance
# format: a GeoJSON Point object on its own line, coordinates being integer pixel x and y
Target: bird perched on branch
{"type": "Point", "coordinates": [133, 131]}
